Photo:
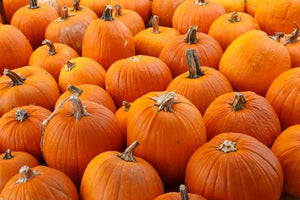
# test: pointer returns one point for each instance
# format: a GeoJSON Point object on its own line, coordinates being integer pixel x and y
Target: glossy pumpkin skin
{"type": "Point", "coordinates": [25, 135]}
{"type": "Point", "coordinates": [283, 94]}
{"type": "Point", "coordinates": [11, 7]}
{"type": "Point", "coordinates": [49, 183]}
{"type": "Point", "coordinates": [232, 5]}
{"type": "Point", "coordinates": [225, 28]}
{"type": "Point", "coordinates": [251, 172]}
{"type": "Point", "coordinates": [39, 88]}
{"type": "Point", "coordinates": [15, 48]}
{"type": "Point", "coordinates": [253, 61]}
{"type": "Point", "coordinates": [122, 116]}
{"type": "Point", "coordinates": [167, 138]}
{"type": "Point", "coordinates": [257, 118]}
{"type": "Point", "coordinates": [131, 78]}
{"type": "Point", "coordinates": [286, 148]}
{"type": "Point", "coordinates": [10, 167]}
{"type": "Point", "coordinates": [138, 180]}
{"type": "Point", "coordinates": [84, 71]}
{"type": "Point", "coordinates": [193, 13]}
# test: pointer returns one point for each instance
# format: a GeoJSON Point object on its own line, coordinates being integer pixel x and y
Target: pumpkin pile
{"type": "Point", "coordinates": [149, 99]}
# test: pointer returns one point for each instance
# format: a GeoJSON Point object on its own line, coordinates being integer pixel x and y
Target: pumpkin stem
{"type": "Point", "coordinates": [234, 17]}
{"type": "Point", "coordinates": [183, 192]}
{"type": "Point", "coordinates": [238, 102]}
{"type": "Point", "coordinates": [33, 4]}
{"type": "Point", "coordinates": [64, 14]}
{"type": "Point", "coordinates": [2, 13]}
{"type": "Point", "coordinates": [136, 58]}
{"type": "Point", "coordinates": [25, 173]}
{"type": "Point", "coordinates": [127, 155]}
{"type": "Point", "coordinates": [78, 109]}
{"type": "Point", "coordinates": [293, 38]}
{"type": "Point", "coordinates": [107, 13]}
{"type": "Point", "coordinates": [193, 64]}
{"type": "Point", "coordinates": [7, 155]}
{"type": "Point", "coordinates": [277, 36]}
{"type": "Point", "coordinates": [76, 6]}
{"type": "Point", "coordinates": [191, 36]}
{"type": "Point", "coordinates": [21, 115]}
{"type": "Point", "coordinates": [201, 2]}
{"type": "Point", "coordinates": [74, 90]}
{"type": "Point", "coordinates": [118, 10]}
{"type": "Point", "coordinates": [227, 146]}
{"type": "Point", "coordinates": [165, 101]}
{"type": "Point", "coordinates": [50, 44]}
{"type": "Point", "coordinates": [15, 78]}
{"type": "Point", "coordinates": [70, 65]}
{"type": "Point", "coordinates": [155, 24]}
{"type": "Point", "coordinates": [126, 105]}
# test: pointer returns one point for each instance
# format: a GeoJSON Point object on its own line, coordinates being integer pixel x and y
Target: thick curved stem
{"type": "Point", "coordinates": [183, 192]}
{"type": "Point", "coordinates": [126, 105]}
{"type": "Point", "coordinates": [127, 155]}
{"type": "Point", "coordinates": [155, 24]}
{"type": "Point", "coordinates": [107, 13]}
{"type": "Point", "coordinates": [165, 101]}
{"type": "Point", "coordinates": [238, 102]}
{"type": "Point", "coordinates": [277, 36]}
{"type": "Point", "coordinates": [234, 17]}
{"type": "Point", "coordinates": [76, 6]}
{"type": "Point", "coordinates": [191, 36]}
{"type": "Point", "coordinates": [50, 44]}
{"type": "Point", "coordinates": [25, 174]}
{"type": "Point", "coordinates": [7, 155]}
{"type": "Point", "coordinates": [118, 10]}
{"type": "Point", "coordinates": [193, 64]}
{"type": "Point", "coordinates": [64, 14]}
{"type": "Point", "coordinates": [70, 66]}
{"type": "Point", "coordinates": [21, 115]}
{"type": "Point", "coordinates": [15, 78]}
{"type": "Point", "coordinates": [33, 4]}
{"type": "Point", "coordinates": [227, 146]}
{"type": "Point", "coordinates": [74, 90]}
{"type": "Point", "coordinates": [293, 38]}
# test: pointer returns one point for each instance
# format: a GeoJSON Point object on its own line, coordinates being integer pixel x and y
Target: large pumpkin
{"type": "Point", "coordinates": [120, 176]}
{"type": "Point", "coordinates": [170, 128]}
{"type": "Point", "coordinates": [234, 166]}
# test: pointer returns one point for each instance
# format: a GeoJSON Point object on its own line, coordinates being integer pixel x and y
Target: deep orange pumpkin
{"type": "Point", "coordinates": [122, 115]}
{"type": "Point", "coordinates": [78, 9]}
{"type": "Point", "coordinates": [251, 7]}
{"type": "Point", "coordinates": [232, 5]}
{"type": "Point", "coordinates": [95, 5]}
{"type": "Point", "coordinates": [9, 8]}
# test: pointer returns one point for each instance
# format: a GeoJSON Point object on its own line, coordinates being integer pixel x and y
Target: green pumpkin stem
{"type": "Point", "coordinates": [234, 17]}
{"type": "Point", "coordinates": [155, 24]}
{"type": "Point", "coordinates": [33, 4]}
{"type": "Point", "coordinates": [74, 90]}
{"type": "Point", "coordinates": [2, 13]}
{"type": "Point", "coordinates": [107, 13]}
{"type": "Point", "coordinates": [293, 38]}
{"type": "Point", "coordinates": [227, 146]}
{"type": "Point", "coordinates": [126, 105]}
{"type": "Point", "coordinates": [76, 6]}
{"type": "Point", "coordinates": [15, 78]}
{"type": "Point", "coordinates": [238, 102]}
{"type": "Point", "coordinates": [7, 155]}
{"type": "Point", "coordinates": [191, 36]}
{"type": "Point", "coordinates": [50, 44]}
{"type": "Point", "coordinates": [201, 2]}
{"type": "Point", "coordinates": [70, 66]}
{"type": "Point", "coordinates": [25, 174]}
{"type": "Point", "coordinates": [193, 64]}
{"type": "Point", "coordinates": [21, 115]}
{"type": "Point", "coordinates": [183, 192]}
{"type": "Point", "coordinates": [276, 37]}
{"type": "Point", "coordinates": [127, 155]}
{"type": "Point", "coordinates": [165, 101]}
{"type": "Point", "coordinates": [118, 10]}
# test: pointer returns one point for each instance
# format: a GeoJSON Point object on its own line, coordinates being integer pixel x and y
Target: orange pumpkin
{"type": "Point", "coordinates": [78, 9]}
{"type": "Point", "coordinates": [122, 115]}
{"type": "Point", "coordinates": [40, 182]}
{"type": "Point", "coordinates": [234, 166]}
{"type": "Point", "coordinates": [52, 3]}
{"type": "Point", "coordinates": [130, 78]}
{"type": "Point", "coordinates": [287, 149]}
{"type": "Point", "coordinates": [10, 163]}
{"type": "Point", "coordinates": [81, 70]}
{"type": "Point", "coordinates": [208, 50]}
{"type": "Point", "coordinates": [107, 40]}
{"type": "Point", "coordinates": [28, 85]}
{"type": "Point", "coordinates": [251, 7]}
{"type": "Point", "coordinates": [20, 130]}
{"type": "Point", "coordinates": [9, 7]}
{"type": "Point", "coordinates": [232, 5]}
{"type": "Point", "coordinates": [253, 60]}
{"type": "Point", "coordinates": [95, 5]}
{"type": "Point", "coordinates": [170, 128]}
{"type": "Point", "coordinates": [111, 169]}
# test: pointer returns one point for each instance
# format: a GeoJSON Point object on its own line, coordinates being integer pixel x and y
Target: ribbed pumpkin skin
{"type": "Point", "coordinates": [80, 141]}
{"type": "Point", "coordinates": [116, 179]}
{"type": "Point", "coordinates": [251, 7]}
{"type": "Point", "coordinates": [23, 135]}
{"type": "Point", "coordinates": [95, 5]}
{"type": "Point", "coordinates": [253, 61]}
{"type": "Point", "coordinates": [203, 90]}
{"type": "Point", "coordinates": [208, 50]}
{"type": "Point", "coordinates": [232, 5]}
{"type": "Point", "coordinates": [39, 88]}
{"type": "Point", "coordinates": [283, 94]}
{"type": "Point", "coordinates": [167, 139]}
{"type": "Point", "coordinates": [122, 116]}
{"type": "Point", "coordinates": [252, 172]}
{"type": "Point", "coordinates": [49, 184]}
{"type": "Point", "coordinates": [294, 50]}
{"type": "Point", "coordinates": [277, 16]}
{"type": "Point", "coordinates": [177, 196]}
{"type": "Point", "coordinates": [130, 78]}
{"type": "Point", "coordinates": [287, 148]}
{"type": "Point", "coordinates": [257, 119]}
{"type": "Point", "coordinates": [10, 167]}
{"type": "Point", "coordinates": [11, 7]}
{"type": "Point", "coordinates": [15, 48]}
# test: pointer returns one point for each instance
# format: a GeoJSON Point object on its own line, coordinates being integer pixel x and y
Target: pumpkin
{"type": "Point", "coordinates": [52, 3]}
{"type": "Point", "coordinates": [26, 19]}
{"type": "Point", "coordinates": [170, 128]}
{"type": "Point", "coordinates": [20, 130]}
{"type": "Point", "coordinates": [130, 78]}
{"type": "Point", "coordinates": [107, 40]}
{"type": "Point", "coordinates": [200, 85]}
{"type": "Point", "coordinates": [62, 3]}
{"type": "Point", "coordinates": [122, 115]}
{"type": "Point", "coordinates": [151, 40]}
{"type": "Point", "coordinates": [110, 170]}
{"type": "Point", "coordinates": [208, 50]}
{"type": "Point", "coordinates": [68, 29]}
{"type": "Point", "coordinates": [25, 86]}
{"type": "Point", "coordinates": [8, 8]}
{"type": "Point", "coordinates": [78, 9]}
{"type": "Point", "coordinates": [15, 48]}
{"type": "Point", "coordinates": [39, 182]}
{"type": "Point", "coordinates": [232, 5]}
{"type": "Point", "coordinates": [229, 26]}
{"type": "Point", "coordinates": [52, 57]}
{"type": "Point", "coordinates": [95, 5]}
{"type": "Point", "coordinates": [234, 166]}
{"type": "Point", "coordinates": [286, 148]}
{"type": "Point", "coordinates": [251, 7]}
{"type": "Point", "coordinates": [253, 60]}
{"type": "Point", "coordinates": [80, 130]}
{"type": "Point", "coordinates": [283, 94]}
{"type": "Point", "coordinates": [10, 163]}
{"type": "Point", "coordinates": [243, 112]}
{"type": "Point", "coordinates": [199, 13]}
{"type": "Point", "coordinates": [81, 70]}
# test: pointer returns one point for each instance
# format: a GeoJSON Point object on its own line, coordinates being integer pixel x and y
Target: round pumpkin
{"type": "Point", "coordinates": [122, 115]}
{"type": "Point", "coordinates": [251, 7]}
{"type": "Point", "coordinates": [232, 5]}
{"type": "Point", "coordinates": [9, 7]}
{"type": "Point", "coordinates": [95, 5]}
{"type": "Point", "coordinates": [78, 9]}
{"type": "Point", "coordinates": [234, 166]}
